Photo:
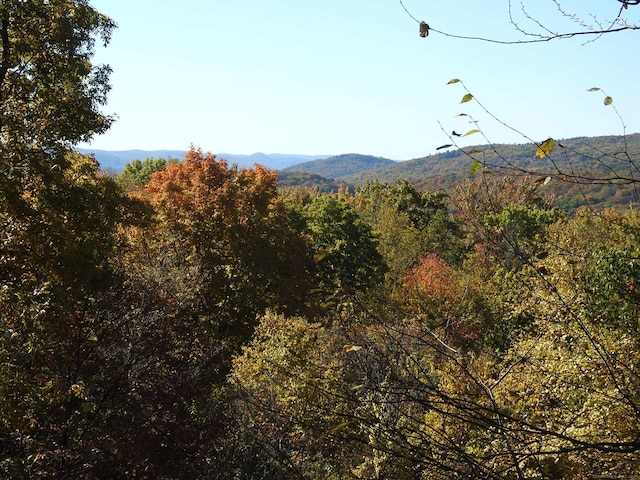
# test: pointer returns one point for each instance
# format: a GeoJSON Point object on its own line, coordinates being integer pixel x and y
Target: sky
{"type": "Point", "coordinates": [328, 77]}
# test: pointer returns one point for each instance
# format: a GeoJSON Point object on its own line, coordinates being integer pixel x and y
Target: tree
{"type": "Point", "coordinates": [288, 383]}
{"type": "Point", "coordinates": [50, 93]}
{"type": "Point", "coordinates": [231, 238]}
{"type": "Point", "coordinates": [56, 346]}
{"type": "Point", "coordinates": [409, 223]}
{"type": "Point", "coordinates": [137, 174]}
{"type": "Point", "coordinates": [345, 250]}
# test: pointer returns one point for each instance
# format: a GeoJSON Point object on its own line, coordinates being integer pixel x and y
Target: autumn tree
{"type": "Point", "coordinates": [60, 218]}
{"type": "Point", "coordinates": [288, 383]}
{"type": "Point", "coordinates": [50, 98]}
{"type": "Point", "coordinates": [230, 228]}
{"type": "Point", "coordinates": [56, 269]}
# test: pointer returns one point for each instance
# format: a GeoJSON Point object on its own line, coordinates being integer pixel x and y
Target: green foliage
{"type": "Point", "coordinates": [519, 230]}
{"type": "Point", "coordinates": [475, 167]}
{"type": "Point", "coordinates": [49, 90]}
{"type": "Point", "coordinates": [288, 382]}
{"type": "Point", "coordinates": [55, 269]}
{"type": "Point", "coordinates": [409, 223]}
{"type": "Point", "coordinates": [345, 250]}
{"type": "Point", "coordinates": [137, 174]}
{"type": "Point", "coordinates": [288, 181]}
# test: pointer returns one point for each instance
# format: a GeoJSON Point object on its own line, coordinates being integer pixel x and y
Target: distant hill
{"type": "Point", "coordinates": [584, 153]}
{"type": "Point", "coordinates": [595, 157]}
{"type": "Point", "coordinates": [274, 161]}
{"type": "Point", "coordinates": [341, 165]}
{"type": "Point", "coordinates": [307, 180]}
{"type": "Point", "coordinates": [116, 159]}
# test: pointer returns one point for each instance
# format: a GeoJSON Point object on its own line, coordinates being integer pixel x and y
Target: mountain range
{"type": "Point", "coordinates": [115, 160]}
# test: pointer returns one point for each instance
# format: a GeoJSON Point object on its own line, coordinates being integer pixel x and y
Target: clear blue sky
{"type": "Point", "coordinates": [341, 76]}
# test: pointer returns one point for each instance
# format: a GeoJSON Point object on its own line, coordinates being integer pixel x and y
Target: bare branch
{"type": "Point", "coordinates": [593, 30]}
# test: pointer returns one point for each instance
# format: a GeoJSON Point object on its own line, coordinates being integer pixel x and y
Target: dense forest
{"type": "Point", "coordinates": [192, 319]}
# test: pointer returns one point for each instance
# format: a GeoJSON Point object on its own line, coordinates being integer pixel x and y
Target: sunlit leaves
{"type": "Point", "coordinates": [475, 167]}
{"type": "Point", "coordinates": [545, 148]}
{"type": "Point", "coordinates": [51, 93]}
{"type": "Point", "coordinates": [471, 132]}
{"type": "Point", "coordinates": [453, 80]}
{"type": "Point", "coordinates": [607, 99]}
{"type": "Point", "coordinates": [137, 174]}
{"type": "Point", "coordinates": [466, 98]}
{"type": "Point", "coordinates": [351, 348]}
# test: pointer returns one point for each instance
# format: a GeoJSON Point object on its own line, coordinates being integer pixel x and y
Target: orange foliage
{"type": "Point", "coordinates": [204, 185]}
{"type": "Point", "coordinates": [431, 283]}
{"type": "Point", "coordinates": [238, 228]}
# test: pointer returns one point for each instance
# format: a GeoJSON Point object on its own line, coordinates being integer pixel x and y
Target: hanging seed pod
{"type": "Point", "coordinates": [424, 29]}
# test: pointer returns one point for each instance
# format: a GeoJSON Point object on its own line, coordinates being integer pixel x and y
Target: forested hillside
{"type": "Point", "coordinates": [308, 181]}
{"type": "Point", "coordinates": [193, 320]}
{"type": "Point", "coordinates": [602, 161]}
{"type": "Point", "coordinates": [341, 165]}
{"type": "Point", "coordinates": [588, 154]}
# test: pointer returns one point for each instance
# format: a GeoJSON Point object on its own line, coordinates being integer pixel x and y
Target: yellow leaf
{"type": "Point", "coordinates": [545, 148]}
{"type": "Point", "coordinates": [351, 348]}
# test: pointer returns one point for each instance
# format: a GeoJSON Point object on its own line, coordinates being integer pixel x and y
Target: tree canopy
{"type": "Point", "coordinates": [192, 319]}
